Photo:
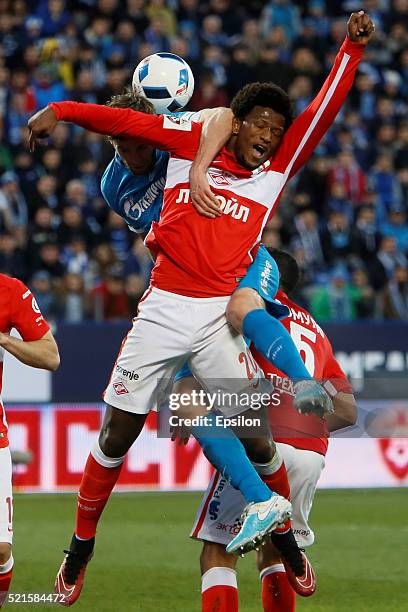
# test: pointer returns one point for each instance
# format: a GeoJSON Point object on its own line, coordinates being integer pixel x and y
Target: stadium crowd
{"type": "Point", "coordinates": [344, 217]}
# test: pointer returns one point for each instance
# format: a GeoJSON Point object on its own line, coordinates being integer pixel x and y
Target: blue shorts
{"type": "Point", "coordinates": [263, 276]}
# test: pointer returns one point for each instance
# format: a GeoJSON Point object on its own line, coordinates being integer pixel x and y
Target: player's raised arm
{"type": "Point", "coordinates": [217, 128]}
{"type": "Point", "coordinates": [308, 129]}
{"type": "Point", "coordinates": [164, 132]}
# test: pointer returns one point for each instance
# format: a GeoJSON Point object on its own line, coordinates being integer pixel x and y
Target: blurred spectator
{"type": "Point", "coordinates": [281, 13]}
{"type": "Point", "coordinates": [71, 303]}
{"type": "Point", "coordinates": [386, 184]}
{"type": "Point", "coordinates": [308, 237]}
{"type": "Point", "coordinates": [109, 299]}
{"type": "Point", "coordinates": [54, 16]}
{"type": "Point", "coordinates": [43, 292]}
{"type": "Point", "coordinates": [42, 230]}
{"type": "Point", "coordinates": [49, 260]}
{"type": "Point", "coordinates": [398, 228]}
{"type": "Point", "coordinates": [396, 295]}
{"type": "Point", "coordinates": [11, 257]}
{"type": "Point", "coordinates": [160, 8]}
{"type": "Point", "coordinates": [207, 94]}
{"type": "Point", "coordinates": [388, 258]}
{"type": "Point", "coordinates": [347, 173]}
{"type": "Point", "coordinates": [336, 239]}
{"type": "Point", "coordinates": [13, 206]}
{"type": "Point", "coordinates": [337, 302]}
{"type": "Point", "coordinates": [366, 237]}
{"type": "Point", "coordinates": [365, 299]}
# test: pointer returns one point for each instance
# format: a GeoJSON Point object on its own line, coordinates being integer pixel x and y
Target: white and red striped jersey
{"type": "Point", "coordinates": [202, 257]}
{"type": "Point", "coordinates": [307, 432]}
{"type": "Point", "coordinates": [18, 310]}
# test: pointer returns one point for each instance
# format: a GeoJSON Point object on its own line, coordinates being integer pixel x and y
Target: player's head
{"type": "Point", "coordinates": [262, 114]}
{"type": "Point", "coordinates": [137, 157]}
{"type": "Point", "coordinates": [288, 269]}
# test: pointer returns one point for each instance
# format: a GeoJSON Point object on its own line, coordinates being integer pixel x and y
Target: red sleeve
{"type": "Point", "coordinates": [26, 317]}
{"type": "Point", "coordinates": [309, 128]}
{"type": "Point", "coordinates": [333, 374]}
{"type": "Point", "coordinates": [174, 134]}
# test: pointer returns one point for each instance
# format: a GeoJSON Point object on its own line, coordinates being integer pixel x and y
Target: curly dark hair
{"type": "Point", "coordinates": [128, 99]}
{"type": "Point", "coordinates": [262, 94]}
{"type": "Point", "coordinates": [288, 269]}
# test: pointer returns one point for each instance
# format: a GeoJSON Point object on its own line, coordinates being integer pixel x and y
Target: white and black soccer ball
{"type": "Point", "coordinates": [165, 80]}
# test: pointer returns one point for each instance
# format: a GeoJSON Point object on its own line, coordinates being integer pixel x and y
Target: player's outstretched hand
{"type": "Point", "coordinates": [180, 434]}
{"type": "Point", "coordinates": [360, 27]}
{"type": "Point", "coordinates": [311, 398]}
{"type": "Point", "coordinates": [201, 195]}
{"type": "Point", "coordinates": [41, 125]}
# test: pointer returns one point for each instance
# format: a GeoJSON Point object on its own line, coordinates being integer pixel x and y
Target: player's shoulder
{"type": "Point", "coordinates": [11, 289]}
{"type": "Point", "coordinates": [300, 315]}
{"type": "Point", "coordinates": [12, 283]}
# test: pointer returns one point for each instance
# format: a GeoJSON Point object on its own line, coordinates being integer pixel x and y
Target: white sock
{"type": "Point", "coordinates": [108, 462]}
{"type": "Point", "coordinates": [266, 469]}
{"type": "Point", "coordinates": [217, 576]}
{"type": "Point", "coordinates": [7, 566]}
{"type": "Point", "coordinates": [272, 569]}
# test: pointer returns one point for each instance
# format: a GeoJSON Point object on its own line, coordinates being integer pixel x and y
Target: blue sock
{"type": "Point", "coordinates": [274, 342]}
{"type": "Point", "coordinates": [226, 453]}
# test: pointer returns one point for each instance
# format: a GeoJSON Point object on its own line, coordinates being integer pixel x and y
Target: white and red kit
{"type": "Point", "coordinates": [18, 310]}
{"type": "Point", "coordinates": [197, 257]}
{"type": "Point", "coordinates": [302, 439]}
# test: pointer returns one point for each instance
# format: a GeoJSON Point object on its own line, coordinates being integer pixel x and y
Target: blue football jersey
{"type": "Point", "coordinates": [138, 199]}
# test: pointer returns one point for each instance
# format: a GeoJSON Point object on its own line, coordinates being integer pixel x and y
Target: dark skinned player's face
{"type": "Point", "coordinates": [137, 157]}
{"type": "Point", "coordinates": [256, 137]}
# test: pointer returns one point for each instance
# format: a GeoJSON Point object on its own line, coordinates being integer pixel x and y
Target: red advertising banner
{"type": "Point", "coordinates": [60, 436]}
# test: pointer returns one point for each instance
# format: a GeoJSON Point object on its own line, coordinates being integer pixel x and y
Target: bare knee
{"type": "Point", "coordinates": [5, 552]}
{"type": "Point", "coordinates": [241, 303]}
{"type": "Point", "coordinates": [119, 430]}
{"type": "Point", "coordinates": [259, 450]}
{"type": "Point", "coordinates": [215, 555]}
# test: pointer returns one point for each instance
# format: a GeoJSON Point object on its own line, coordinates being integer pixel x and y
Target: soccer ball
{"type": "Point", "coordinates": [165, 80]}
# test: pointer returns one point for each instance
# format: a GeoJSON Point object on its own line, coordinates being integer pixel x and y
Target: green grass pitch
{"type": "Point", "coordinates": [145, 562]}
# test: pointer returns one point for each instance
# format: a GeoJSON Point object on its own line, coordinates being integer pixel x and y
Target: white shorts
{"type": "Point", "coordinates": [169, 331]}
{"type": "Point", "coordinates": [219, 516]}
{"type": "Point", "coordinates": [6, 497]}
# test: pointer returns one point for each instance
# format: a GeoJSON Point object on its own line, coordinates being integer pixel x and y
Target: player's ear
{"type": "Point", "coordinates": [236, 125]}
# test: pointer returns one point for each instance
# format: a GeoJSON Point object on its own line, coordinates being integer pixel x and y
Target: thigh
{"type": "Point", "coordinates": [6, 497]}
{"type": "Point", "coordinates": [223, 364]}
{"type": "Point", "coordinates": [150, 355]}
{"type": "Point", "coordinates": [304, 469]}
{"type": "Point", "coordinates": [218, 518]}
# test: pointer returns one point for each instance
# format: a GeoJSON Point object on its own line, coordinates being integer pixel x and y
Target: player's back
{"type": "Point", "coordinates": [302, 431]}
{"type": "Point", "coordinates": [136, 198]}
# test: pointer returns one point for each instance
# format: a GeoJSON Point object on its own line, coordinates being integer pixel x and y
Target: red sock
{"type": "Point", "coordinates": [5, 580]}
{"type": "Point", "coordinates": [219, 591]}
{"type": "Point", "coordinates": [95, 489]}
{"type": "Point", "coordinates": [279, 483]}
{"type": "Point", "coordinates": [277, 594]}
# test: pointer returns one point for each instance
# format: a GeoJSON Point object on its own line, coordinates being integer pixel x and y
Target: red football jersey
{"type": "Point", "coordinates": [202, 257]}
{"type": "Point", "coordinates": [18, 310]}
{"type": "Point", "coordinates": [308, 432]}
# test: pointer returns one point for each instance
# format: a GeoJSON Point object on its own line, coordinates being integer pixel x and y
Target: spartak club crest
{"type": "Point", "coordinates": [394, 452]}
